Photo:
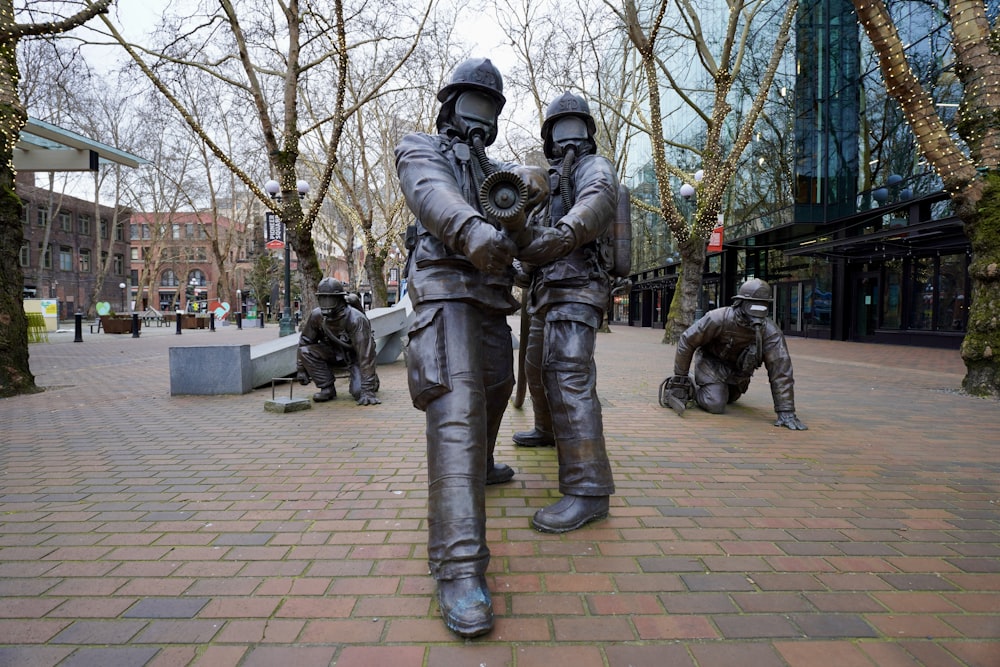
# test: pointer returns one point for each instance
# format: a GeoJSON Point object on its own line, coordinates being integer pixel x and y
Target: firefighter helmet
{"type": "Point", "coordinates": [565, 105]}
{"type": "Point", "coordinates": [754, 289]}
{"type": "Point", "coordinates": [475, 74]}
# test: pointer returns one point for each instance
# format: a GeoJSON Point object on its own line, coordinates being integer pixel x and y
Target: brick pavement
{"type": "Point", "coordinates": [143, 529]}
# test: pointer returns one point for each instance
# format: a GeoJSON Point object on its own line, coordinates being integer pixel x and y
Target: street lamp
{"type": "Point", "coordinates": [121, 286]}
{"type": "Point", "coordinates": [273, 189]}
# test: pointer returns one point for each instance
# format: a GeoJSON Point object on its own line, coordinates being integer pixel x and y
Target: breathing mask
{"type": "Point", "coordinates": [475, 113]}
{"type": "Point", "coordinates": [569, 132]}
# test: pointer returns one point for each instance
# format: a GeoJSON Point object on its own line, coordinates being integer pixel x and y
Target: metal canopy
{"type": "Point", "coordinates": [46, 147]}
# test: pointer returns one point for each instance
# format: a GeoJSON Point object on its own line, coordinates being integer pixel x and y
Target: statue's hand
{"type": "Point", "coordinates": [537, 180]}
{"type": "Point", "coordinates": [790, 421]}
{"type": "Point", "coordinates": [547, 244]}
{"type": "Point", "coordinates": [302, 377]}
{"type": "Point", "coordinates": [367, 398]}
{"type": "Point", "coordinates": [487, 248]}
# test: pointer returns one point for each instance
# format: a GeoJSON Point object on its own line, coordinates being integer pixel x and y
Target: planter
{"type": "Point", "coordinates": [117, 325]}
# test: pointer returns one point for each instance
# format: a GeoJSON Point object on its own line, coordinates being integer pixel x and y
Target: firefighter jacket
{"type": "Point", "coordinates": [580, 276]}
{"type": "Point", "coordinates": [440, 180]}
{"type": "Point", "coordinates": [723, 341]}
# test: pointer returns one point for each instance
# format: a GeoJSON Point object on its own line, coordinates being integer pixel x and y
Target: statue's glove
{"type": "Point", "coordinates": [367, 398]}
{"type": "Point", "coordinates": [537, 180]}
{"type": "Point", "coordinates": [790, 421]}
{"type": "Point", "coordinates": [522, 274]}
{"type": "Point", "coordinates": [486, 247]}
{"type": "Point", "coordinates": [547, 244]}
{"type": "Point", "coordinates": [682, 386]}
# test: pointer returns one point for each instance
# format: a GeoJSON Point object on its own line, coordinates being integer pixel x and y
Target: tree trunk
{"type": "Point", "coordinates": [688, 290]}
{"type": "Point", "coordinates": [15, 375]}
{"type": "Point", "coordinates": [981, 346]}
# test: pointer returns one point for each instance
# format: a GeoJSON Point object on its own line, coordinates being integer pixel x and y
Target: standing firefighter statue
{"type": "Point", "coordinates": [337, 336]}
{"type": "Point", "coordinates": [567, 269]}
{"type": "Point", "coordinates": [460, 362]}
{"type": "Point", "coordinates": [731, 343]}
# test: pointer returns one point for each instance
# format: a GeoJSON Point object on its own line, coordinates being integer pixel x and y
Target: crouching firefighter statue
{"type": "Point", "coordinates": [568, 286]}
{"type": "Point", "coordinates": [337, 336]}
{"type": "Point", "coordinates": [731, 343]}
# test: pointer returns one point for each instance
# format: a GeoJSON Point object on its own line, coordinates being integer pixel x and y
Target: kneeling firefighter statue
{"type": "Point", "coordinates": [337, 336]}
{"type": "Point", "coordinates": [732, 343]}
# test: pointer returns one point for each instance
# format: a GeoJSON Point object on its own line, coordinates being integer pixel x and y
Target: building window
{"type": "Point", "coordinates": [46, 256]}
{"type": "Point", "coordinates": [119, 265]}
{"type": "Point", "coordinates": [168, 278]}
{"type": "Point", "coordinates": [189, 230]}
{"type": "Point", "coordinates": [104, 228]}
{"type": "Point", "coordinates": [200, 254]}
{"type": "Point", "coordinates": [135, 254]}
{"type": "Point", "coordinates": [176, 232]}
{"type": "Point", "coordinates": [120, 231]}
{"type": "Point", "coordinates": [65, 221]}
{"type": "Point", "coordinates": [84, 260]}
{"type": "Point", "coordinates": [42, 215]}
{"type": "Point", "coordinates": [25, 255]}
{"type": "Point", "coordinates": [65, 258]}
{"type": "Point", "coordinates": [145, 233]}
{"type": "Point", "coordinates": [83, 224]}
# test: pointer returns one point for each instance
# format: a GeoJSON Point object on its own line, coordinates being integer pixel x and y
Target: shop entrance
{"type": "Point", "coordinates": [865, 302]}
{"type": "Point", "coordinates": [793, 307]}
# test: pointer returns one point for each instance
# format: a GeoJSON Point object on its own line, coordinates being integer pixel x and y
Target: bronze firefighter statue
{"type": "Point", "coordinates": [568, 285]}
{"type": "Point", "coordinates": [337, 336]}
{"type": "Point", "coordinates": [459, 354]}
{"type": "Point", "coordinates": [731, 343]}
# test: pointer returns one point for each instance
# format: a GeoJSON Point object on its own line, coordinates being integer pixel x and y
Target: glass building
{"type": "Point", "coordinates": [833, 205]}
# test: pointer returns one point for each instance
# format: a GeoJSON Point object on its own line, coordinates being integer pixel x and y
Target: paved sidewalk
{"type": "Point", "coordinates": [143, 529]}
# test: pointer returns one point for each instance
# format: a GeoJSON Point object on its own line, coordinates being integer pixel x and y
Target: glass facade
{"type": "Point", "coordinates": [833, 205]}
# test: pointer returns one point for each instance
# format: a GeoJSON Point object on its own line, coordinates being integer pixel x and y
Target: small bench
{"type": "Point", "coordinates": [96, 324]}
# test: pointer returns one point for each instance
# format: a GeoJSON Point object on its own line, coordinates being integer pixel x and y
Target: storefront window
{"type": "Point", "coordinates": [952, 311]}
{"type": "Point", "coordinates": [892, 304]}
{"type": "Point", "coordinates": [922, 294]}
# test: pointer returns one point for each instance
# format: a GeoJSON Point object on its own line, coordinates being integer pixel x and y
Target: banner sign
{"type": "Point", "coordinates": [274, 231]}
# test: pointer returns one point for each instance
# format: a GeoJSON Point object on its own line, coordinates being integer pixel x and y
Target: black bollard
{"type": "Point", "coordinates": [260, 318]}
{"type": "Point", "coordinates": [211, 321]}
{"type": "Point", "coordinates": [239, 321]}
{"type": "Point", "coordinates": [178, 323]}
{"type": "Point", "coordinates": [135, 325]}
{"type": "Point", "coordinates": [79, 328]}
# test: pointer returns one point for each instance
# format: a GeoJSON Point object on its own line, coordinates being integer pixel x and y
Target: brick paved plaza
{"type": "Point", "coordinates": [141, 529]}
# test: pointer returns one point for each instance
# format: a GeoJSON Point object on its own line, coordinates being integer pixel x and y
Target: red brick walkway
{"type": "Point", "coordinates": [143, 529]}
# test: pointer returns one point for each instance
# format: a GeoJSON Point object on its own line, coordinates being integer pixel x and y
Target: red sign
{"type": "Point", "coordinates": [274, 245]}
{"type": "Point", "coordinates": [715, 240]}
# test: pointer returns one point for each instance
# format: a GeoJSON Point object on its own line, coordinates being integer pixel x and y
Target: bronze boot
{"type": "Point", "coordinates": [570, 513]}
{"type": "Point", "coordinates": [466, 605]}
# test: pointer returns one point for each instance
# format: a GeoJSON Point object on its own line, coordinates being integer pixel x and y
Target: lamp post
{"type": "Point", "coordinates": [273, 189]}
{"type": "Point", "coordinates": [121, 286]}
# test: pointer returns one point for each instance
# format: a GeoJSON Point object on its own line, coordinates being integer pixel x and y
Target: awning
{"type": "Point", "coordinates": [46, 147]}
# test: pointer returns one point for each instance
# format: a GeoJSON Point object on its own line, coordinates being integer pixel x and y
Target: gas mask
{"type": "Point", "coordinates": [757, 312]}
{"type": "Point", "coordinates": [569, 134]}
{"type": "Point", "coordinates": [331, 305]}
{"type": "Point", "coordinates": [475, 115]}
{"type": "Point", "coordinates": [752, 313]}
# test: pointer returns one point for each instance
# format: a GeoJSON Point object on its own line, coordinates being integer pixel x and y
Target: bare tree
{"type": "Point", "coordinates": [263, 63]}
{"type": "Point", "coordinates": [687, 63]}
{"type": "Point", "coordinates": [28, 21]}
{"type": "Point", "coordinates": [968, 165]}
